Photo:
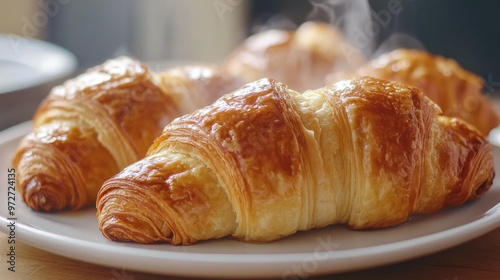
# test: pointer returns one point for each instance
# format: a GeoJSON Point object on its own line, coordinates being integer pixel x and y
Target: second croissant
{"type": "Point", "coordinates": [96, 124]}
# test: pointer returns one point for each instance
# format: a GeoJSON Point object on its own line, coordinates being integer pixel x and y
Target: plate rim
{"type": "Point", "coordinates": [67, 61]}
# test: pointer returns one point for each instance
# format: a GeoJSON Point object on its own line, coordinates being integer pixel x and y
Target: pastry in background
{"type": "Point", "coordinates": [301, 58]}
{"type": "Point", "coordinates": [265, 162]}
{"type": "Point", "coordinates": [96, 124]}
{"type": "Point", "coordinates": [457, 91]}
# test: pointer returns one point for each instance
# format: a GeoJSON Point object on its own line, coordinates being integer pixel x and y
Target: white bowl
{"type": "Point", "coordinates": [29, 68]}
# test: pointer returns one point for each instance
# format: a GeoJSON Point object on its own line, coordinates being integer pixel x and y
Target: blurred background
{"type": "Point", "coordinates": [171, 31]}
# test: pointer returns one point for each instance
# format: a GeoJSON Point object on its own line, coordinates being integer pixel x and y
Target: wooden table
{"type": "Point", "coordinates": [477, 259]}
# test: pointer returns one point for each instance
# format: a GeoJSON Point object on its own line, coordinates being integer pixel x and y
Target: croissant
{"type": "Point", "coordinates": [93, 126]}
{"type": "Point", "coordinates": [301, 58]}
{"type": "Point", "coordinates": [456, 90]}
{"type": "Point", "coordinates": [265, 162]}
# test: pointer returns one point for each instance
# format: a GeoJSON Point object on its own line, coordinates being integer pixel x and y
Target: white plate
{"type": "Point", "coordinates": [26, 63]}
{"type": "Point", "coordinates": [328, 250]}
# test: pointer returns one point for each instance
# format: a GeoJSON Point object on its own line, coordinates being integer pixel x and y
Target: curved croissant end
{"type": "Point", "coordinates": [50, 162]}
{"type": "Point", "coordinates": [168, 216]}
{"type": "Point", "coordinates": [265, 161]}
{"type": "Point", "coordinates": [471, 175]}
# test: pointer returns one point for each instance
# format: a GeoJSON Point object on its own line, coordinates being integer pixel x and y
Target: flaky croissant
{"type": "Point", "coordinates": [457, 91]}
{"type": "Point", "coordinates": [265, 161]}
{"type": "Point", "coordinates": [93, 126]}
{"type": "Point", "coordinates": [301, 58]}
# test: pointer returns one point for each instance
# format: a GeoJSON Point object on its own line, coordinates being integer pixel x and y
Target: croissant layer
{"type": "Point", "coordinates": [265, 162]}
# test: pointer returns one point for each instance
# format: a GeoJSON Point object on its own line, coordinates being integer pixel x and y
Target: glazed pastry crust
{"type": "Point", "coordinates": [265, 162]}
{"type": "Point", "coordinates": [96, 124]}
{"type": "Point", "coordinates": [457, 91]}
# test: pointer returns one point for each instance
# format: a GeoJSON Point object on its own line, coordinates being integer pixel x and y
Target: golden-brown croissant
{"type": "Point", "coordinates": [456, 90]}
{"type": "Point", "coordinates": [264, 162]}
{"type": "Point", "coordinates": [301, 59]}
{"type": "Point", "coordinates": [93, 126]}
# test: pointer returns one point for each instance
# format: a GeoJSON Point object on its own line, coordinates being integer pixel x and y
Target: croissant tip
{"type": "Point", "coordinates": [116, 234]}
{"type": "Point", "coordinates": [45, 197]}
{"type": "Point", "coordinates": [482, 188]}
{"type": "Point", "coordinates": [117, 228]}
{"type": "Point", "coordinates": [43, 201]}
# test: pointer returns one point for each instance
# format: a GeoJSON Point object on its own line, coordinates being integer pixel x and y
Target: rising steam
{"type": "Point", "coordinates": [362, 26]}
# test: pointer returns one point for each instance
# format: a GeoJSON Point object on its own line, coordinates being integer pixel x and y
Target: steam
{"type": "Point", "coordinates": [350, 16]}
{"type": "Point", "coordinates": [396, 41]}
{"type": "Point", "coordinates": [279, 22]}
{"type": "Point", "coordinates": [362, 26]}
